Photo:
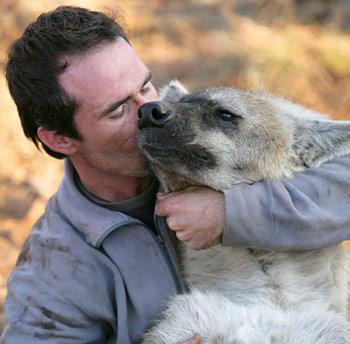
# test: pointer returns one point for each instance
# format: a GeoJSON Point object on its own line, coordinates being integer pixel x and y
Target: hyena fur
{"type": "Point", "coordinates": [220, 137]}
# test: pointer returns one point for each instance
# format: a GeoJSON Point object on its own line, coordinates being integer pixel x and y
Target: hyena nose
{"type": "Point", "coordinates": [153, 114]}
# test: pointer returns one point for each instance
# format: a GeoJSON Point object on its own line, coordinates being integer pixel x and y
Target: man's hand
{"type": "Point", "coordinates": [196, 214]}
{"type": "Point", "coordinates": [194, 340]}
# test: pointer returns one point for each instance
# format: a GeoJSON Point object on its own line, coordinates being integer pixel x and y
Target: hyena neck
{"type": "Point", "coordinates": [170, 182]}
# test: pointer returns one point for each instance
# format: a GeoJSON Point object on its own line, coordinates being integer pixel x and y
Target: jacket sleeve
{"type": "Point", "coordinates": [54, 298]}
{"type": "Point", "coordinates": [309, 211]}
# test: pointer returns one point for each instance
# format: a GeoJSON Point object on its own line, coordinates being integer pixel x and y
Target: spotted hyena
{"type": "Point", "coordinates": [220, 137]}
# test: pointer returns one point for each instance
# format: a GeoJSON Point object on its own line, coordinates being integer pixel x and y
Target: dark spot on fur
{"type": "Point", "coordinates": [264, 266]}
{"type": "Point", "coordinates": [239, 167]}
{"type": "Point", "coordinates": [261, 259]}
{"type": "Point", "coordinates": [199, 156]}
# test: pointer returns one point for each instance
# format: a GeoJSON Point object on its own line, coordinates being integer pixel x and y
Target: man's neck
{"type": "Point", "coordinates": [111, 187]}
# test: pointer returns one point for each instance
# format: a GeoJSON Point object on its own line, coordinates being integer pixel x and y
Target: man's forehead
{"type": "Point", "coordinates": [100, 62]}
{"type": "Point", "coordinates": [109, 68]}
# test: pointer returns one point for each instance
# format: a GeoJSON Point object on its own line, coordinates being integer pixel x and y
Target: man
{"type": "Point", "coordinates": [98, 267]}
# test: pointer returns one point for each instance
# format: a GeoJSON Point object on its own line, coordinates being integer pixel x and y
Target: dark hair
{"type": "Point", "coordinates": [34, 65]}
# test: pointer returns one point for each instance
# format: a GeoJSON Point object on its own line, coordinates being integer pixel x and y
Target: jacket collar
{"type": "Point", "coordinates": [93, 221]}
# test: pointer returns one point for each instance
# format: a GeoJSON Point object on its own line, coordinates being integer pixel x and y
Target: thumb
{"type": "Point", "coordinates": [163, 195]}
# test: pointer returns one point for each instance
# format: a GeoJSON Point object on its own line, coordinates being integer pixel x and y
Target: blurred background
{"type": "Point", "coordinates": [299, 49]}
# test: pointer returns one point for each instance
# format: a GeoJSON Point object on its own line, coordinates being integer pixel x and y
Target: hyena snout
{"type": "Point", "coordinates": [154, 114]}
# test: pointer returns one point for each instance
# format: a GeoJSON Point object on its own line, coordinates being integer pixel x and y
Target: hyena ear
{"type": "Point", "coordinates": [317, 141]}
{"type": "Point", "coordinates": [173, 91]}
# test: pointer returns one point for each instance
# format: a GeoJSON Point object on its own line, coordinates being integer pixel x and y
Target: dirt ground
{"type": "Point", "coordinates": [298, 49]}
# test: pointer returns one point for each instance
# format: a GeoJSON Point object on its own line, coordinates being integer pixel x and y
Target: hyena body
{"type": "Point", "coordinates": [221, 137]}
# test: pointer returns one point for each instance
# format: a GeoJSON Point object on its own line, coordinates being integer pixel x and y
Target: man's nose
{"type": "Point", "coordinates": [153, 114]}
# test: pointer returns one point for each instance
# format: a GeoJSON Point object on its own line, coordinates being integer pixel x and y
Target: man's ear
{"type": "Point", "coordinates": [317, 141]}
{"type": "Point", "coordinates": [56, 142]}
{"type": "Point", "coordinates": [172, 92]}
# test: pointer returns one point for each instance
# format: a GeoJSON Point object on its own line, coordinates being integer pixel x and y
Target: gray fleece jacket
{"type": "Point", "coordinates": [88, 274]}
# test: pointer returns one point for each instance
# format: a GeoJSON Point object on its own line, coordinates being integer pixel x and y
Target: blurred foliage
{"type": "Point", "coordinates": [299, 49]}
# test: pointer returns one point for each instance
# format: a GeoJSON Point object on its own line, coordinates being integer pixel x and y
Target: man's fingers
{"type": "Point", "coordinates": [162, 208]}
{"type": "Point", "coordinates": [183, 235]}
{"type": "Point", "coordinates": [167, 206]}
{"type": "Point", "coordinates": [174, 224]}
{"type": "Point", "coordinates": [160, 211]}
{"type": "Point", "coordinates": [163, 195]}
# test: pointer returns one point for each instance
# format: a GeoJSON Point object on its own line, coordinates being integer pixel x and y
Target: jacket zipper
{"type": "Point", "coordinates": [166, 255]}
{"type": "Point", "coordinates": [160, 242]}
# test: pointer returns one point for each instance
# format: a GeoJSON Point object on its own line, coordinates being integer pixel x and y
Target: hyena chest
{"type": "Point", "coordinates": [284, 279]}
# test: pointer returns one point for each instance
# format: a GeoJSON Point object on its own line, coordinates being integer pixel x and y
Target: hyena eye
{"type": "Point", "coordinates": [227, 115]}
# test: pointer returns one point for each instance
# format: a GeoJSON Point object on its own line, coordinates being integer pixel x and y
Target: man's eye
{"type": "Point", "coordinates": [120, 111]}
{"type": "Point", "coordinates": [145, 89]}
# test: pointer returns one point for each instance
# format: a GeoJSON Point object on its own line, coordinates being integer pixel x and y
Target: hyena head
{"type": "Point", "coordinates": [224, 136]}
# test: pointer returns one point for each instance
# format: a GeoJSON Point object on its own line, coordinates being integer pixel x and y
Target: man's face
{"type": "Point", "coordinates": [108, 84]}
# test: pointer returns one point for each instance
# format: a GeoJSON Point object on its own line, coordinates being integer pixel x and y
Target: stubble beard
{"type": "Point", "coordinates": [139, 168]}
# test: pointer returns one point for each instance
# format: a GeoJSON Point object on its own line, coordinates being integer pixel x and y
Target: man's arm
{"type": "Point", "coordinates": [308, 211]}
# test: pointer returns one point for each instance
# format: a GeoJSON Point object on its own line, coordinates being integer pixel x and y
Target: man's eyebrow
{"type": "Point", "coordinates": [115, 105]}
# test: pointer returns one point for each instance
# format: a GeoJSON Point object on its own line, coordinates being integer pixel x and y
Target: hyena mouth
{"type": "Point", "coordinates": [155, 150]}
{"type": "Point", "coordinates": [187, 155]}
